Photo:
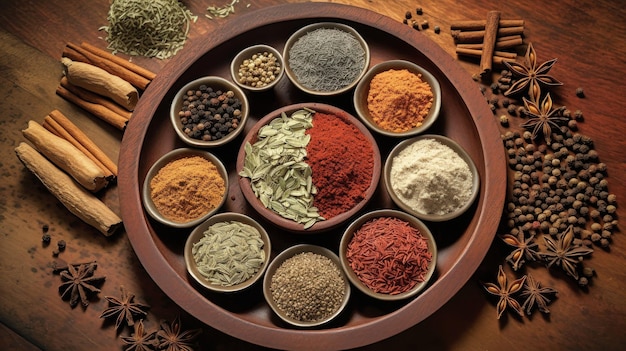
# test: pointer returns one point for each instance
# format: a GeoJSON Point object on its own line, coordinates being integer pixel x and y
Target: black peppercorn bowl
{"type": "Point", "coordinates": [247, 54]}
{"type": "Point", "coordinates": [218, 113]}
{"type": "Point", "coordinates": [395, 214]}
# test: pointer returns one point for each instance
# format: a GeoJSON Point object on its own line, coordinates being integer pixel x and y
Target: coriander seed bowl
{"type": "Point", "coordinates": [441, 185]}
{"type": "Point", "coordinates": [243, 265]}
{"type": "Point", "coordinates": [257, 68]}
{"type": "Point", "coordinates": [316, 54]}
{"type": "Point", "coordinates": [209, 112]}
{"type": "Point", "coordinates": [305, 286]}
{"type": "Point", "coordinates": [397, 254]}
{"type": "Point", "coordinates": [175, 210]}
{"type": "Point", "coordinates": [401, 83]}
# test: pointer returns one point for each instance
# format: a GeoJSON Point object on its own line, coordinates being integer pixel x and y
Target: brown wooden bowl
{"type": "Point", "coordinates": [288, 224]}
{"type": "Point", "coordinates": [461, 243]}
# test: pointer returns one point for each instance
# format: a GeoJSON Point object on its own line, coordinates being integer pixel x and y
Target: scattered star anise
{"type": "Point", "coordinates": [505, 292]}
{"type": "Point", "coordinates": [525, 248]}
{"type": "Point", "coordinates": [564, 253]}
{"type": "Point", "coordinates": [79, 283]}
{"type": "Point", "coordinates": [171, 338]}
{"type": "Point", "coordinates": [531, 75]}
{"type": "Point", "coordinates": [543, 117]}
{"type": "Point", "coordinates": [536, 295]}
{"type": "Point", "coordinates": [124, 309]}
{"type": "Point", "coordinates": [139, 340]}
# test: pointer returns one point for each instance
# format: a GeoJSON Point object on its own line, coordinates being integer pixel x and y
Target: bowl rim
{"type": "Point", "coordinates": [197, 233]}
{"type": "Point", "coordinates": [454, 146]}
{"type": "Point", "coordinates": [208, 80]}
{"type": "Point", "coordinates": [327, 24]}
{"type": "Point", "coordinates": [172, 155]}
{"type": "Point", "coordinates": [321, 226]}
{"type": "Point", "coordinates": [246, 53]}
{"type": "Point", "coordinates": [362, 89]}
{"type": "Point", "coordinates": [290, 252]}
{"type": "Point", "coordinates": [414, 222]}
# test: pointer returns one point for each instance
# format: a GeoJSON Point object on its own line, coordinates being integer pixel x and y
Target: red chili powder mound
{"type": "Point", "coordinates": [389, 255]}
{"type": "Point", "coordinates": [342, 164]}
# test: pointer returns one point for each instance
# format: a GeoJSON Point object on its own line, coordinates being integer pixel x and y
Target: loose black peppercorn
{"type": "Point", "coordinates": [61, 245]}
{"type": "Point", "coordinates": [408, 15]}
{"type": "Point", "coordinates": [580, 92]}
{"type": "Point", "coordinates": [419, 11]}
{"type": "Point", "coordinates": [45, 238]}
{"type": "Point", "coordinates": [437, 29]}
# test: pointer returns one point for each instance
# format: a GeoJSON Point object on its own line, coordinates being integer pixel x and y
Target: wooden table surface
{"type": "Point", "coordinates": [588, 38]}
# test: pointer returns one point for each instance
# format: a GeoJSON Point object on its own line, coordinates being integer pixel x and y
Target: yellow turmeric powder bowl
{"type": "Point", "coordinates": [185, 187]}
{"type": "Point", "coordinates": [398, 98]}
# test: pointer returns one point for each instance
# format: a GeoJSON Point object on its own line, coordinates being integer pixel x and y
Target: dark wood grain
{"type": "Point", "coordinates": [588, 38]}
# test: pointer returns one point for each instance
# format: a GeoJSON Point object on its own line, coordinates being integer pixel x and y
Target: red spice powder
{"type": "Point", "coordinates": [389, 255]}
{"type": "Point", "coordinates": [342, 164]}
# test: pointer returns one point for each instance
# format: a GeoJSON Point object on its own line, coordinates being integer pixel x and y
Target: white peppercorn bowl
{"type": "Point", "coordinates": [329, 25]}
{"type": "Point", "coordinates": [247, 53]}
{"type": "Point", "coordinates": [362, 90]}
{"type": "Point", "coordinates": [176, 154]}
{"type": "Point", "coordinates": [276, 263]}
{"type": "Point", "coordinates": [430, 216]}
{"type": "Point", "coordinates": [198, 233]}
{"type": "Point", "coordinates": [415, 223]}
{"type": "Point", "coordinates": [214, 82]}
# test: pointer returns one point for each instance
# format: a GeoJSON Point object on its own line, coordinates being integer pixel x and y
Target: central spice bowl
{"type": "Point", "coordinates": [334, 221]}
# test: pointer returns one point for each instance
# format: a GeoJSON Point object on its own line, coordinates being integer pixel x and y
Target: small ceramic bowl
{"type": "Point", "coordinates": [431, 217]}
{"type": "Point", "coordinates": [415, 223]}
{"type": "Point", "coordinates": [288, 224]}
{"type": "Point", "coordinates": [216, 83]}
{"type": "Point", "coordinates": [362, 91]}
{"type": "Point", "coordinates": [198, 233]}
{"type": "Point", "coordinates": [246, 54]}
{"type": "Point", "coordinates": [176, 154]}
{"type": "Point", "coordinates": [278, 261]}
{"type": "Point", "coordinates": [324, 25]}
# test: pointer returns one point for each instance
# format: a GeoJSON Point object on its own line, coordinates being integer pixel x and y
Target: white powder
{"type": "Point", "coordinates": [431, 178]}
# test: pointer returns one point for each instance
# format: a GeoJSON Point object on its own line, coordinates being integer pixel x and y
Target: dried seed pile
{"type": "Point", "coordinates": [259, 70]}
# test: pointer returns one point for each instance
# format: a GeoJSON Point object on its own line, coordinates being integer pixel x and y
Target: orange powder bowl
{"type": "Point", "coordinates": [362, 91]}
{"type": "Point", "coordinates": [413, 222]}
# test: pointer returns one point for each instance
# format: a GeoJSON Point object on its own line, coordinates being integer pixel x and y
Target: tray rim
{"type": "Point", "coordinates": [343, 337]}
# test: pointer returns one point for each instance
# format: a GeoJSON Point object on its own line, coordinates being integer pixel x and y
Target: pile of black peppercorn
{"type": "Point", "coordinates": [209, 114]}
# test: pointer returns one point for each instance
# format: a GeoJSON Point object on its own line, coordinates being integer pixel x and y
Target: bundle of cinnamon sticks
{"type": "Point", "coordinates": [488, 39]}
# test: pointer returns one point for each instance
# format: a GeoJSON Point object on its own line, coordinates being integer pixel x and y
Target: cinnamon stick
{"type": "Point", "coordinates": [73, 55]}
{"type": "Point", "coordinates": [75, 198]}
{"type": "Point", "coordinates": [66, 156]}
{"type": "Point", "coordinates": [489, 42]}
{"type": "Point", "coordinates": [477, 36]}
{"type": "Point", "coordinates": [501, 43]}
{"type": "Point", "coordinates": [56, 129]}
{"type": "Point", "coordinates": [120, 61]}
{"type": "Point", "coordinates": [498, 56]}
{"type": "Point", "coordinates": [133, 78]}
{"type": "Point", "coordinates": [480, 24]}
{"type": "Point", "coordinates": [83, 139]}
{"type": "Point", "coordinates": [95, 98]}
{"type": "Point", "coordinates": [99, 111]}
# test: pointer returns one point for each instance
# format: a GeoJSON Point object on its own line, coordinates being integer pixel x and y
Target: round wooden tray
{"type": "Point", "coordinates": [462, 243]}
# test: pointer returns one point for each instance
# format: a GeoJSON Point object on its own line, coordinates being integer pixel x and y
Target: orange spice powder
{"type": "Point", "coordinates": [399, 100]}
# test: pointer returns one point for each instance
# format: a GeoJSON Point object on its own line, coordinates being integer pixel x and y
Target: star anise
{"type": "Point", "coordinates": [171, 338]}
{"type": "Point", "coordinates": [536, 295]}
{"type": "Point", "coordinates": [505, 292]}
{"type": "Point", "coordinates": [124, 309]}
{"type": "Point", "coordinates": [525, 248]}
{"type": "Point", "coordinates": [564, 253]}
{"type": "Point", "coordinates": [531, 75]}
{"type": "Point", "coordinates": [79, 283]}
{"type": "Point", "coordinates": [139, 340]}
{"type": "Point", "coordinates": [543, 117]}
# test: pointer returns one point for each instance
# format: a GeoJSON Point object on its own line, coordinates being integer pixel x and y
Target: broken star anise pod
{"type": "Point", "coordinates": [79, 283]}
{"type": "Point", "coordinates": [124, 309]}
{"type": "Point", "coordinates": [525, 248]}
{"type": "Point", "coordinates": [139, 340]}
{"type": "Point", "coordinates": [171, 337]}
{"type": "Point", "coordinates": [564, 253]}
{"type": "Point", "coordinates": [542, 117]}
{"type": "Point", "coordinates": [531, 75]}
{"type": "Point", "coordinates": [536, 295]}
{"type": "Point", "coordinates": [505, 292]}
